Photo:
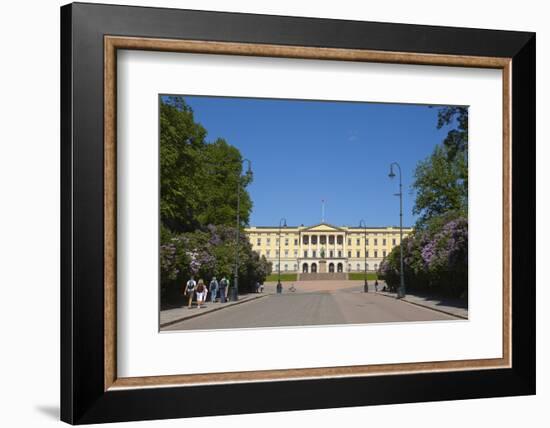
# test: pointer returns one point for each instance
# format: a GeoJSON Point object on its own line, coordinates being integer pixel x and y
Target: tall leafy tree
{"type": "Point", "coordinates": [198, 205]}
{"type": "Point", "coordinates": [198, 180]}
{"type": "Point", "coordinates": [441, 180]}
{"type": "Point", "coordinates": [221, 166]}
{"type": "Point", "coordinates": [181, 143]}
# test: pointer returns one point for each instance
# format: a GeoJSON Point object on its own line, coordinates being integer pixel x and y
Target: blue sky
{"type": "Point", "coordinates": [306, 151]}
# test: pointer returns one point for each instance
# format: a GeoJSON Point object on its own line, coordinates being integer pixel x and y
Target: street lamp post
{"type": "Point", "coordinates": [401, 291]}
{"type": "Point", "coordinates": [363, 224]}
{"type": "Point", "coordinates": [235, 289]}
{"type": "Point", "coordinates": [282, 223]}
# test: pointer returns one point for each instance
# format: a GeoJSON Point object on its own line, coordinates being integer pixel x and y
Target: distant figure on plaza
{"type": "Point", "coordinates": [223, 288]}
{"type": "Point", "coordinates": [189, 291]}
{"type": "Point", "coordinates": [279, 287]}
{"type": "Point", "coordinates": [213, 289]}
{"type": "Point", "coordinates": [257, 286]}
{"type": "Point", "coordinates": [202, 292]}
{"type": "Point", "coordinates": [376, 285]}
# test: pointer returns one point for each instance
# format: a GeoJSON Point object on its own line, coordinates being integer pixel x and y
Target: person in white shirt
{"type": "Point", "coordinates": [202, 292]}
{"type": "Point", "coordinates": [189, 291]}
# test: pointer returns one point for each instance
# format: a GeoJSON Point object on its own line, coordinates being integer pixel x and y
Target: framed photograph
{"type": "Point", "coordinates": [291, 213]}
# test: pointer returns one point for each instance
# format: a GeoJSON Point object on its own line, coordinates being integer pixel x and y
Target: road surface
{"type": "Point", "coordinates": [321, 303]}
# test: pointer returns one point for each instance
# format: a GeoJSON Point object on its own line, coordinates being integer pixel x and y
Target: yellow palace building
{"type": "Point", "coordinates": [323, 247]}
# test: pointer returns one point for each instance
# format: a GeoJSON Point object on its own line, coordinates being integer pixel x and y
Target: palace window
{"type": "Point", "coordinates": [314, 253]}
{"type": "Point", "coordinates": [305, 239]}
{"type": "Point", "coordinates": [296, 242]}
{"type": "Point", "coordinates": [295, 253]}
{"type": "Point", "coordinates": [331, 239]}
{"type": "Point", "coordinates": [286, 241]}
{"type": "Point", "coordinates": [286, 253]}
{"type": "Point", "coordinates": [367, 242]}
{"type": "Point", "coordinates": [276, 252]}
{"type": "Point", "coordinates": [267, 253]}
{"type": "Point", "coordinates": [375, 253]}
{"type": "Point", "coordinates": [358, 267]}
{"type": "Point", "coordinates": [259, 242]}
{"type": "Point", "coordinates": [314, 240]}
{"type": "Point", "coordinates": [331, 253]}
{"type": "Point", "coordinates": [375, 241]}
{"type": "Point", "coordinates": [349, 241]}
{"type": "Point", "coordinates": [323, 239]}
{"type": "Point", "coordinates": [340, 240]}
{"type": "Point", "coordinates": [339, 253]}
{"type": "Point", "coordinates": [277, 241]}
{"type": "Point", "coordinates": [358, 253]}
{"type": "Point", "coordinates": [393, 241]}
{"type": "Point", "coordinates": [384, 253]}
{"type": "Point", "coordinates": [384, 241]}
{"type": "Point", "coordinates": [268, 241]}
{"type": "Point", "coordinates": [367, 254]}
{"type": "Point", "coordinates": [295, 266]}
{"type": "Point", "coordinates": [305, 254]}
{"type": "Point", "coordinates": [349, 254]}
{"type": "Point", "coordinates": [358, 242]}
{"type": "Point", "coordinates": [286, 267]}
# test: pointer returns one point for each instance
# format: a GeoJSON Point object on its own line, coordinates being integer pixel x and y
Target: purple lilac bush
{"type": "Point", "coordinates": [435, 259]}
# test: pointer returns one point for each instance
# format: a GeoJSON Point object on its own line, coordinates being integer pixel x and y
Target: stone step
{"type": "Point", "coordinates": [322, 276]}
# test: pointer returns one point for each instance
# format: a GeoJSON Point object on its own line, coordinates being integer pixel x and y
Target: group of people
{"type": "Point", "coordinates": [215, 288]}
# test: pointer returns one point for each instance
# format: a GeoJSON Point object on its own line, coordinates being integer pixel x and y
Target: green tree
{"type": "Point", "coordinates": [181, 143]}
{"type": "Point", "coordinates": [221, 171]}
{"type": "Point", "coordinates": [441, 180]}
{"type": "Point", "coordinates": [436, 254]}
{"type": "Point", "coordinates": [198, 205]}
{"type": "Point", "coordinates": [198, 180]}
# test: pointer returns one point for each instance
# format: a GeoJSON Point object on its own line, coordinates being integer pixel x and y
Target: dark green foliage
{"type": "Point", "coordinates": [198, 180]}
{"type": "Point", "coordinates": [441, 180]}
{"type": "Point", "coordinates": [198, 204]}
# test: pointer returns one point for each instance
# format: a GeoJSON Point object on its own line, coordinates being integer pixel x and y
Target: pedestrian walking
{"type": "Point", "coordinates": [202, 292]}
{"type": "Point", "coordinates": [189, 291]}
{"type": "Point", "coordinates": [376, 285]}
{"type": "Point", "coordinates": [213, 289]}
{"type": "Point", "coordinates": [257, 286]}
{"type": "Point", "coordinates": [223, 289]}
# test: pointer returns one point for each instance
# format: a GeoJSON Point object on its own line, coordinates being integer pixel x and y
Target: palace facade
{"type": "Point", "coordinates": [324, 247]}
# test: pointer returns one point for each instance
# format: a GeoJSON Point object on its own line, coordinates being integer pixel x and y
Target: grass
{"type": "Point", "coordinates": [284, 277]}
{"type": "Point", "coordinates": [361, 275]}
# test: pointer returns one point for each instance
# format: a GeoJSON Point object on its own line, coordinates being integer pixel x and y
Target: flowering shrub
{"type": "Point", "coordinates": [448, 248]}
{"type": "Point", "coordinates": [208, 253]}
{"type": "Point", "coordinates": [434, 259]}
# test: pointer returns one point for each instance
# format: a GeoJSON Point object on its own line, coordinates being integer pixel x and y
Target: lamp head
{"type": "Point", "coordinates": [391, 174]}
{"type": "Point", "coordinates": [248, 169]}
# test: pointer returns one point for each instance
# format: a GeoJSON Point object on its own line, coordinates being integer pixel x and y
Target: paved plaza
{"type": "Point", "coordinates": [312, 303]}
